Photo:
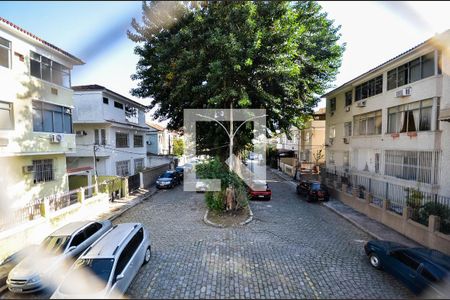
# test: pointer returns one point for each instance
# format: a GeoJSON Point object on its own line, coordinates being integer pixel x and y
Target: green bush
{"type": "Point", "coordinates": [435, 209]}
{"type": "Point", "coordinates": [215, 201]}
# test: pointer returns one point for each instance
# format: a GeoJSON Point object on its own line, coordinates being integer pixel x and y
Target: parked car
{"type": "Point", "coordinates": [313, 190]}
{"type": "Point", "coordinates": [107, 268]}
{"type": "Point", "coordinates": [200, 186]}
{"type": "Point", "coordinates": [169, 179]}
{"type": "Point", "coordinates": [180, 171]}
{"type": "Point", "coordinates": [423, 270]}
{"type": "Point", "coordinates": [259, 189]}
{"type": "Point", "coordinates": [40, 269]}
{"type": "Point", "coordinates": [11, 261]}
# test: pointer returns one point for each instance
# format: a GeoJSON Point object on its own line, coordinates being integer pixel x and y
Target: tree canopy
{"type": "Point", "coordinates": [279, 56]}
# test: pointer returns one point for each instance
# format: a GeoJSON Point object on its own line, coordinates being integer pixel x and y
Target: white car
{"type": "Point", "coordinates": [44, 266]}
{"type": "Point", "coordinates": [107, 268]}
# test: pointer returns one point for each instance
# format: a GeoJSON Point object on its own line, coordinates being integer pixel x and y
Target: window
{"type": "Point", "coordinates": [128, 252]}
{"type": "Point", "coordinates": [49, 70]}
{"type": "Point", "coordinates": [419, 68]}
{"type": "Point", "coordinates": [99, 136]}
{"type": "Point", "coordinates": [409, 117]}
{"type": "Point", "coordinates": [43, 170]}
{"type": "Point", "coordinates": [51, 118]}
{"type": "Point", "coordinates": [405, 259]}
{"type": "Point", "coordinates": [346, 159]}
{"type": "Point", "coordinates": [428, 275]}
{"type": "Point", "coordinates": [332, 133]}
{"type": "Point", "coordinates": [138, 141]}
{"type": "Point", "coordinates": [377, 163]}
{"type": "Point", "coordinates": [348, 98]}
{"type": "Point", "coordinates": [5, 53]}
{"type": "Point", "coordinates": [421, 166]}
{"type": "Point", "coordinates": [367, 124]}
{"type": "Point", "coordinates": [123, 168]}
{"type": "Point", "coordinates": [333, 104]}
{"type": "Point", "coordinates": [78, 239]}
{"type": "Point", "coordinates": [138, 165]}
{"type": "Point", "coordinates": [118, 105]}
{"type": "Point", "coordinates": [331, 157]}
{"type": "Point", "coordinates": [369, 88]}
{"type": "Point", "coordinates": [131, 114]}
{"type": "Point", "coordinates": [6, 116]}
{"type": "Point", "coordinates": [105, 100]}
{"type": "Point", "coordinates": [121, 140]}
{"type": "Point", "coordinates": [92, 229]}
{"type": "Point", "coordinates": [347, 129]}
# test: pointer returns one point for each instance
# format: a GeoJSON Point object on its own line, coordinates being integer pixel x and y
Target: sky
{"type": "Point", "coordinates": [95, 31]}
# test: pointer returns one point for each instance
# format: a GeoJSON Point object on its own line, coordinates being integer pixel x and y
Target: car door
{"type": "Point", "coordinates": [429, 280]}
{"type": "Point", "coordinates": [122, 268]}
{"type": "Point", "coordinates": [404, 266]}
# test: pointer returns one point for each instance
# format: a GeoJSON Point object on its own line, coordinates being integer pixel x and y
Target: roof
{"type": "Point", "coordinates": [155, 126]}
{"type": "Point", "coordinates": [20, 29]}
{"type": "Point", "coordinates": [377, 68]}
{"type": "Point", "coordinates": [70, 228]}
{"type": "Point", "coordinates": [96, 87]}
{"type": "Point", "coordinates": [107, 244]}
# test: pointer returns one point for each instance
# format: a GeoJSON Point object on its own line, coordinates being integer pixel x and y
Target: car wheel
{"type": "Point", "coordinates": [375, 261]}
{"type": "Point", "coordinates": [148, 254]}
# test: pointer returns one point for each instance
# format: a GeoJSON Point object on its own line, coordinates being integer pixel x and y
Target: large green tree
{"type": "Point", "coordinates": [279, 56]}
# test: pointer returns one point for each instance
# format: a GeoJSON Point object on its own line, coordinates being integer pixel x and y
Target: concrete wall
{"type": "Point", "coordinates": [149, 176]}
{"type": "Point", "coordinates": [429, 236]}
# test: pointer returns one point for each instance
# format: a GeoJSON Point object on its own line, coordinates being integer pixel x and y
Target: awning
{"type": "Point", "coordinates": [444, 115]}
{"type": "Point", "coordinates": [78, 170]}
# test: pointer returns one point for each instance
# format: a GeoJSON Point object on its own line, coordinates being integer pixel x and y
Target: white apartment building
{"type": "Point", "coordinates": [392, 122]}
{"type": "Point", "coordinates": [36, 106]}
{"type": "Point", "coordinates": [110, 130]}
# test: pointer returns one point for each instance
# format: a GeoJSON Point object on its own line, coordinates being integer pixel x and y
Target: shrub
{"type": "Point", "coordinates": [435, 209]}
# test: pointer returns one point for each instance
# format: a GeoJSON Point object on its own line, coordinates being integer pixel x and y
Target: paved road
{"type": "Point", "coordinates": [292, 249]}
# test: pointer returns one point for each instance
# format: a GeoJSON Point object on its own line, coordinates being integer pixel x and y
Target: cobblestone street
{"type": "Point", "coordinates": [292, 249]}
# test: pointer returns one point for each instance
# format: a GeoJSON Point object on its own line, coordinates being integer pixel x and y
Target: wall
{"type": "Point", "coordinates": [149, 176]}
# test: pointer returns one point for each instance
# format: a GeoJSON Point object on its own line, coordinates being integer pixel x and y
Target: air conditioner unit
{"type": "Point", "coordinates": [55, 138]}
{"type": "Point", "coordinates": [347, 108]}
{"type": "Point", "coordinates": [403, 92]}
{"type": "Point", "coordinates": [81, 133]}
{"type": "Point", "coordinates": [346, 140]}
{"type": "Point", "coordinates": [361, 103]}
{"type": "Point", "coordinates": [28, 169]}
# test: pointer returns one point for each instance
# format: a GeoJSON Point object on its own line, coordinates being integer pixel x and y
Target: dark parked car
{"type": "Point", "coordinates": [169, 179]}
{"type": "Point", "coordinates": [313, 190]}
{"type": "Point", "coordinates": [180, 171]}
{"type": "Point", "coordinates": [259, 190]}
{"type": "Point", "coordinates": [425, 271]}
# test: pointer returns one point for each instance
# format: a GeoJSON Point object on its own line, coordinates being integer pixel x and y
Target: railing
{"type": "Point", "coordinates": [422, 203]}
{"type": "Point", "coordinates": [60, 201]}
{"type": "Point", "coordinates": [29, 212]}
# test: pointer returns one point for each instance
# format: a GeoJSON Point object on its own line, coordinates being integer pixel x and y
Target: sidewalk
{"type": "Point", "coordinates": [366, 224]}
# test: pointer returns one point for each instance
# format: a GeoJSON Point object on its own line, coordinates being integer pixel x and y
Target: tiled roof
{"type": "Point", "coordinates": [18, 28]}
{"type": "Point", "coordinates": [385, 63]}
{"type": "Point", "coordinates": [96, 87]}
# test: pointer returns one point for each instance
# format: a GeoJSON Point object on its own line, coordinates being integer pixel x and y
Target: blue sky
{"type": "Point", "coordinates": [374, 32]}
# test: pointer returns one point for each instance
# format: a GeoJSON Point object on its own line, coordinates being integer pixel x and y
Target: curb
{"type": "Point", "coordinates": [353, 222]}
{"type": "Point", "coordinates": [133, 204]}
{"type": "Point", "coordinates": [208, 222]}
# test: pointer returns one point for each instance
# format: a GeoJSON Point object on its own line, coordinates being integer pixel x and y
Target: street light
{"type": "Point", "coordinates": [231, 133]}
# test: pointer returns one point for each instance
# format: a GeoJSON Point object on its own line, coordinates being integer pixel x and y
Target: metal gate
{"type": "Point", "coordinates": [133, 182]}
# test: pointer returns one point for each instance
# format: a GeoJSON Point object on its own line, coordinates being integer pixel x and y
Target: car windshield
{"type": "Point", "coordinates": [79, 282]}
{"type": "Point", "coordinates": [167, 175]}
{"type": "Point", "coordinates": [54, 244]}
{"type": "Point", "coordinates": [315, 186]}
{"type": "Point", "coordinates": [179, 169]}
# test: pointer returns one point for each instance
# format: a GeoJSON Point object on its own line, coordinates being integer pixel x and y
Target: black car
{"type": "Point", "coordinates": [425, 271]}
{"type": "Point", "coordinates": [180, 171]}
{"type": "Point", "coordinates": [313, 190]}
{"type": "Point", "coordinates": [169, 180]}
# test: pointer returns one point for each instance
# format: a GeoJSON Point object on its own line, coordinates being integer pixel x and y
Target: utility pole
{"type": "Point", "coordinates": [95, 168]}
{"type": "Point", "coordinates": [231, 137]}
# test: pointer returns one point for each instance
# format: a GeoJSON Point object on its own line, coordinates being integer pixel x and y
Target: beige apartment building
{"type": "Point", "coordinates": [36, 103]}
{"type": "Point", "coordinates": [392, 122]}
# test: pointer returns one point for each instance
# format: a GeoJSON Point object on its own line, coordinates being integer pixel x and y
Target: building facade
{"type": "Point", "coordinates": [391, 123]}
{"type": "Point", "coordinates": [110, 132]}
{"type": "Point", "coordinates": [36, 107]}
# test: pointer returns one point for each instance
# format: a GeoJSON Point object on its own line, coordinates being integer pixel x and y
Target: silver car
{"type": "Point", "coordinates": [44, 266]}
{"type": "Point", "coordinates": [107, 268]}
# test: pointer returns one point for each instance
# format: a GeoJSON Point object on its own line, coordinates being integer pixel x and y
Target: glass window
{"type": "Point", "coordinates": [43, 170]}
{"type": "Point", "coordinates": [5, 52]}
{"type": "Point", "coordinates": [347, 128]}
{"type": "Point", "coordinates": [428, 65]}
{"type": "Point", "coordinates": [123, 168]}
{"type": "Point", "coordinates": [49, 70]}
{"type": "Point", "coordinates": [54, 244]}
{"type": "Point", "coordinates": [103, 134]}
{"type": "Point", "coordinates": [402, 75]}
{"type": "Point", "coordinates": [405, 259]}
{"type": "Point", "coordinates": [48, 121]}
{"type": "Point", "coordinates": [138, 141]}
{"type": "Point", "coordinates": [369, 88]}
{"type": "Point", "coordinates": [51, 118]}
{"type": "Point", "coordinates": [68, 120]}
{"type": "Point", "coordinates": [6, 116]}
{"type": "Point", "coordinates": [410, 117]}
{"type": "Point", "coordinates": [118, 105]}
{"type": "Point", "coordinates": [414, 70]}
{"type": "Point", "coordinates": [96, 137]}
{"type": "Point", "coordinates": [348, 98]}
{"type": "Point", "coordinates": [368, 124]}
{"type": "Point", "coordinates": [58, 121]}
{"type": "Point", "coordinates": [138, 165]}
{"type": "Point", "coordinates": [121, 140]}
{"type": "Point", "coordinates": [333, 104]}
{"type": "Point", "coordinates": [105, 100]}
{"type": "Point", "coordinates": [392, 79]}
